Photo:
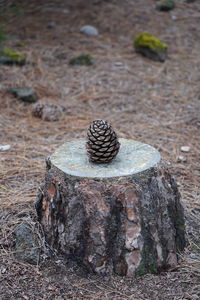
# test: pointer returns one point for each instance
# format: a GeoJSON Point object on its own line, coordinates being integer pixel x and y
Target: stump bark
{"type": "Point", "coordinates": [124, 217]}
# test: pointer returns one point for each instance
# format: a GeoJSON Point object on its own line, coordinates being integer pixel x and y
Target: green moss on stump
{"type": "Point", "coordinates": [150, 46]}
{"type": "Point", "coordinates": [148, 263]}
{"type": "Point", "coordinates": [11, 57]}
{"type": "Point", "coordinates": [82, 60]}
{"type": "Point", "coordinates": [145, 269]}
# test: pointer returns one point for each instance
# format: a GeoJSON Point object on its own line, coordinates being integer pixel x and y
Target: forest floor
{"type": "Point", "coordinates": [153, 102]}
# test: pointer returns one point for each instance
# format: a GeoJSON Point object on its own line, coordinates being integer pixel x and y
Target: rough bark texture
{"type": "Point", "coordinates": [128, 225]}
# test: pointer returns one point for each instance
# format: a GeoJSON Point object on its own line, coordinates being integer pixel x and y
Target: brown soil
{"type": "Point", "coordinates": [157, 103]}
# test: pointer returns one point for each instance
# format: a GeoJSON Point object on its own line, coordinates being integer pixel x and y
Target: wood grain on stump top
{"type": "Point", "coordinates": [133, 157]}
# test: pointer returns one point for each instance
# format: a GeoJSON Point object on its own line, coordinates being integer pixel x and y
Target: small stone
{"type": "Point", "coordinates": [11, 57]}
{"type": "Point", "coordinates": [82, 60]}
{"type": "Point", "coordinates": [174, 17]}
{"type": "Point", "coordinates": [25, 94]}
{"type": "Point", "coordinates": [51, 25]}
{"type": "Point", "coordinates": [65, 11]}
{"type": "Point", "coordinates": [185, 149]}
{"type": "Point", "coordinates": [27, 247]}
{"type": "Point", "coordinates": [4, 147]}
{"type": "Point", "coordinates": [89, 30]}
{"type": "Point", "coordinates": [166, 5]}
{"type": "Point", "coordinates": [118, 64]}
{"type": "Point", "coordinates": [182, 158]}
{"type": "Point", "coordinates": [3, 270]}
{"type": "Point", "coordinates": [150, 46]}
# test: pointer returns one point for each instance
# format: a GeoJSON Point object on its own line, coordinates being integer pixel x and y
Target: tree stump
{"type": "Point", "coordinates": [124, 217]}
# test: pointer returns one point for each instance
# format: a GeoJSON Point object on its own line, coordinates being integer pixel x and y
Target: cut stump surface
{"type": "Point", "coordinates": [124, 217]}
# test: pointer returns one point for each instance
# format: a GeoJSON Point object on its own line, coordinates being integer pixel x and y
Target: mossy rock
{"type": "Point", "coordinates": [26, 244]}
{"type": "Point", "coordinates": [25, 94]}
{"type": "Point", "coordinates": [166, 5]}
{"type": "Point", "coordinates": [150, 46]}
{"type": "Point", "coordinates": [20, 44]}
{"type": "Point", "coordinates": [82, 60]}
{"type": "Point", "coordinates": [11, 57]}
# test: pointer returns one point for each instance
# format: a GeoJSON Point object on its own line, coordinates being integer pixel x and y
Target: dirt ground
{"type": "Point", "coordinates": [156, 103]}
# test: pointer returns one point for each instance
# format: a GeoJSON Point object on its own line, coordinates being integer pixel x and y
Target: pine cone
{"type": "Point", "coordinates": [48, 111]}
{"type": "Point", "coordinates": [102, 145]}
{"type": "Point", "coordinates": [37, 110]}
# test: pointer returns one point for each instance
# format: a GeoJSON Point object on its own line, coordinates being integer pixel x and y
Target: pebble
{"type": "Point", "coordinates": [3, 270]}
{"type": "Point", "coordinates": [185, 149]}
{"type": "Point", "coordinates": [65, 11]}
{"type": "Point", "coordinates": [25, 94]}
{"type": "Point", "coordinates": [182, 158]}
{"type": "Point", "coordinates": [51, 25]}
{"type": "Point", "coordinates": [119, 64]}
{"type": "Point", "coordinates": [89, 30]}
{"type": "Point", "coordinates": [4, 147]}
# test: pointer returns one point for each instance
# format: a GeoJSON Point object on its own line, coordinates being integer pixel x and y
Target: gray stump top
{"type": "Point", "coordinates": [133, 157]}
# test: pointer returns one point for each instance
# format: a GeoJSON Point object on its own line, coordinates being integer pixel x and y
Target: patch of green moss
{"type": "Point", "coordinates": [12, 10]}
{"type": "Point", "coordinates": [20, 44]}
{"type": "Point", "coordinates": [147, 265]}
{"type": "Point", "coordinates": [12, 54]}
{"type": "Point", "coordinates": [9, 56]}
{"type": "Point", "coordinates": [148, 262]}
{"type": "Point", "coordinates": [147, 40]}
{"type": "Point", "coordinates": [17, 9]}
{"type": "Point", "coordinates": [82, 60]}
{"type": "Point", "coordinates": [166, 5]}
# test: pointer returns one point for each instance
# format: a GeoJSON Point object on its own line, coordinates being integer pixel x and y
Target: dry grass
{"type": "Point", "coordinates": [145, 100]}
